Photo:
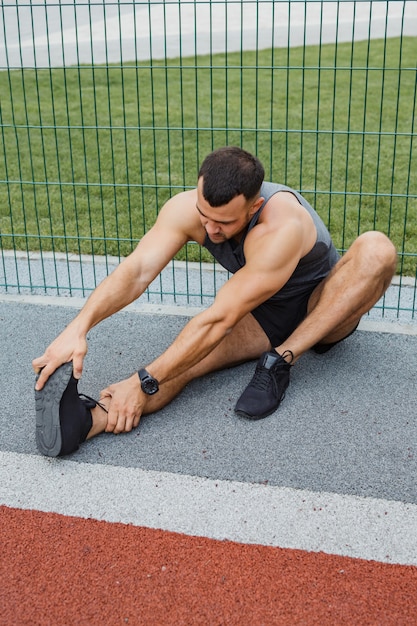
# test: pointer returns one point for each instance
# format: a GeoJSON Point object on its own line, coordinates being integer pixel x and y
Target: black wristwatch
{"type": "Point", "coordinates": [148, 383]}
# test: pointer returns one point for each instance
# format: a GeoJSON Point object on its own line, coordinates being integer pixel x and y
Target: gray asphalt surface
{"type": "Point", "coordinates": [347, 425]}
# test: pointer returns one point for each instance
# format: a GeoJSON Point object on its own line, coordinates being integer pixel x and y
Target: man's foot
{"type": "Point", "coordinates": [266, 389]}
{"type": "Point", "coordinates": [63, 418]}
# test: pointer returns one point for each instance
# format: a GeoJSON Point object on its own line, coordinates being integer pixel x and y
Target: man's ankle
{"type": "Point", "coordinates": [99, 416]}
{"type": "Point", "coordinates": [286, 354]}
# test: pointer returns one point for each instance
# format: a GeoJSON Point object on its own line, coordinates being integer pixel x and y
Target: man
{"type": "Point", "coordinates": [289, 293]}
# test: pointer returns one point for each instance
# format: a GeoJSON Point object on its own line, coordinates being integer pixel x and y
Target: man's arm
{"type": "Point", "coordinates": [128, 281]}
{"type": "Point", "coordinates": [271, 257]}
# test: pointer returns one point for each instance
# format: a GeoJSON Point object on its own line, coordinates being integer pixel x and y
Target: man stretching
{"type": "Point", "coordinates": [289, 292]}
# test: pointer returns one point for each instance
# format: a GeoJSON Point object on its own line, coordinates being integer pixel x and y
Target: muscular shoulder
{"type": "Point", "coordinates": [285, 229]}
{"type": "Point", "coordinates": [179, 215]}
{"type": "Point", "coordinates": [283, 206]}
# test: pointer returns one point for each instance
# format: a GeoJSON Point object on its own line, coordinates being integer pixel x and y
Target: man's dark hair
{"type": "Point", "coordinates": [229, 172]}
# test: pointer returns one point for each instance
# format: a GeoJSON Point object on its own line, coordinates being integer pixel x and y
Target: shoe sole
{"type": "Point", "coordinates": [259, 417]}
{"type": "Point", "coordinates": [47, 400]}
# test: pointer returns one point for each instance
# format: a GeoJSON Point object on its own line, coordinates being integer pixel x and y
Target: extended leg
{"type": "Point", "coordinates": [246, 342]}
{"type": "Point", "coordinates": [64, 418]}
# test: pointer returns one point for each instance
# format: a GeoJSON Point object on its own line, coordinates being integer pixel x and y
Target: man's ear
{"type": "Point", "coordinates": [256, 205]}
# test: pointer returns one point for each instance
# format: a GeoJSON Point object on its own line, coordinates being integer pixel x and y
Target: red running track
{"type": "Point", "coordinates": [58, 570]}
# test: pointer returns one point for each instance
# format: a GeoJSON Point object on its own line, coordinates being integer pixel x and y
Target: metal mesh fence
{"type": "Point", "coordinates": [108, 108]}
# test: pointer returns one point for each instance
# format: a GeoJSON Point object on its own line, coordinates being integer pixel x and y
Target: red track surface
{"type": "Point", "coordinates": [63, 570]}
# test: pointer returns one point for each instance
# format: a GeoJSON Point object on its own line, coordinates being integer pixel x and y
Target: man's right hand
{"type": "Point", "coordinates": [70, 345]}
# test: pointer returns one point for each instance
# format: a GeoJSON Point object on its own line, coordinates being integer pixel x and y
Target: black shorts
{"type": "Point", "coordinates": [279, 319]}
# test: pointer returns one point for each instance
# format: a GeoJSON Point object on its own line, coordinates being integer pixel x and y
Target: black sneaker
{"type": "Point", "coordinates": [63, 418]}
{"type": "Point", "coordinates": [266, 389]}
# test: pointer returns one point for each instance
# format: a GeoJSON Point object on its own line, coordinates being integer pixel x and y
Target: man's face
{"type": "Point", "coordinates": [227, 221]}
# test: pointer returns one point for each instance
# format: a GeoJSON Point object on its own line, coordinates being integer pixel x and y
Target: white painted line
{"type": "Point", "coordinates": [77, 303]}
{"type": "Point", "coordinates": [35, 300]}
{"type": "Point", "coordinates": [352, 526]}
{"type": "Point", "coordinates": [89, 259]}
{"type": "Point", "coordinates": [380, 326]}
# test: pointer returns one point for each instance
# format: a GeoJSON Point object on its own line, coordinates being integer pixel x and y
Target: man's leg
{"type": "Point", "coordinates": [334, 309]}
{"type": "Point", "coordinates": [247, 341]}
{"type": "Point", "coordinates": [354, 285]}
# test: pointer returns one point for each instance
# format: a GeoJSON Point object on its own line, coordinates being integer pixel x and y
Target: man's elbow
{"type": "Point", "coordinates": [223, 321]}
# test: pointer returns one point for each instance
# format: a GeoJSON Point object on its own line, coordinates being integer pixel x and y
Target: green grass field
{"type": "Point", "coordinates": [90, 154]}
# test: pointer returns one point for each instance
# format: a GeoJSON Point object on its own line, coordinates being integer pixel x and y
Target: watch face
{"type": "Point", "coordinates": [150, 386]}
{"type": "Point", "coordinates": [148, 383]}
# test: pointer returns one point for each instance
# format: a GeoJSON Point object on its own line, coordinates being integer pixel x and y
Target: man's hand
{"type": "Point", "coordinates": [126, 405]}
{"type": "Point", "coordinates": [70, 345]}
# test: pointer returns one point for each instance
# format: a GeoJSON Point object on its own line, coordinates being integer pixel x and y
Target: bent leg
{"type": "Point", "coordinates": [334, 309]}
{"type": "Point", "coordinates": [354, 285]}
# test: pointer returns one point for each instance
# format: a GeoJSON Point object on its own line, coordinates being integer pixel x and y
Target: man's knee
{"type": "Point", "coordinates": [377, 252]}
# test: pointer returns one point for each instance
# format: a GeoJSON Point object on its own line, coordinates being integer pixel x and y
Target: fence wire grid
{"type": "Point", "coordinates": [108, 108]}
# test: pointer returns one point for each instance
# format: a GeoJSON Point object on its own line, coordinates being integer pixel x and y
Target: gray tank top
{"type": "Point", "coordinates": [311, 269]}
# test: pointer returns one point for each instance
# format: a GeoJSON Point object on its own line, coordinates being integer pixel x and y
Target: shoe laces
{"type": "Point", "coordinates": [262, 378]}
{"type": "Point", "coordinates": [288, 353]}
{"type": "Point", "coordinates": [83, 395]}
